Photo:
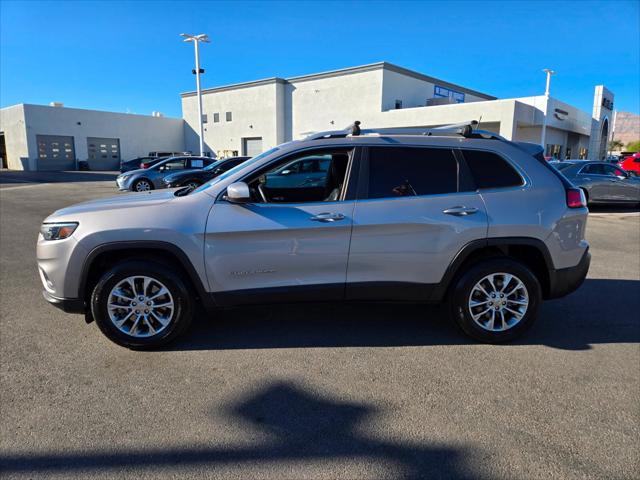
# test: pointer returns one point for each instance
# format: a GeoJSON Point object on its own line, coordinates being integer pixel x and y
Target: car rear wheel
{"type": "Point", "coordinates": [141, 304]}
{"type": "Point", "coordinates": [495, 300]}
{"type": "Point", "coordinates": [143, 185]}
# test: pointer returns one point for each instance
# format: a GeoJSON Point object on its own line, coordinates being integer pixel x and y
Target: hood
{"type": "Point", "coordinates": [127, 200]}
{"type": "Point", "coordinates": [136, 170]}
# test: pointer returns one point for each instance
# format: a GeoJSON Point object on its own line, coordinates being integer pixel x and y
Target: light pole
{"type": "Point", "coordinates": [196, 39]}
{"type": "Point", "coordinates": [549, 72]}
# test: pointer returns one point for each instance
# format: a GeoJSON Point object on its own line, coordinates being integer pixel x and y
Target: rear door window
{"type": "Point", "coordinates": [175, 164]}
{"type": "Point", "coordinates": [612, 171]}
{"type": "Point", "coordinates": [594, 169]}
{"type": "Point", "coordinates": [411, 171]}
{"type": "Point", "coordinates": [489, 170]}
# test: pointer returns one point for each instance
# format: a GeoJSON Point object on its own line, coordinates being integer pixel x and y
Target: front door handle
{"type": "Point", "coordinates": [327, 217]}
{"type": "Point", "coordinates": [460, 211]}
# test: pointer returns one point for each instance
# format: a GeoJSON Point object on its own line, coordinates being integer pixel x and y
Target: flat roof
{"type": "Point", "coordinates": [86, 110]}
{"type": "Point", "coordinates": [341, 72]}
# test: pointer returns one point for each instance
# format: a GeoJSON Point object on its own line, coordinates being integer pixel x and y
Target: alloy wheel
{"type": "Point", "coordinates": [498, 302]}
{"type": "Point", "coordinates": [143, 186]}
{"type": "Point", "coordinates": [140, 306]}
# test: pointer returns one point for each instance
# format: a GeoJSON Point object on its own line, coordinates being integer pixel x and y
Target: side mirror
{"type": "Point", "coordinates": [238, 192]}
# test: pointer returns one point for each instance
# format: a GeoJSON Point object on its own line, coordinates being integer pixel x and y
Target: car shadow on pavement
{"type": "Point", "coordinates": [623, 208]}
{"type": "Point", "coordinates": [601, 311]}
{"type": "Point", "coordinates": [13, 177]}
{"type": "Point", "coordinates": [300, 424]}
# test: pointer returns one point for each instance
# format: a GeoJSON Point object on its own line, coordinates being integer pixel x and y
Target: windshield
{"type": "Point", "coordinates": [235, 169]}
{"type": "Point", "coordinates": [563, 165]}
{"type": "Point", "coordinates": [214, 165]}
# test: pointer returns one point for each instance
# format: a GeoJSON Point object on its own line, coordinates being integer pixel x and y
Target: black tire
{"type": "Point", "coordinates": [137, 186]}
{"type": "Point", "coordinates": [462, 289]}
{"type": "Point", "coordinates": [179, 320]}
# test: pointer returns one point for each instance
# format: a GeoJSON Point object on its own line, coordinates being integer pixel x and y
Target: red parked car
{"type": "Point", "coordinates": [631, 163]}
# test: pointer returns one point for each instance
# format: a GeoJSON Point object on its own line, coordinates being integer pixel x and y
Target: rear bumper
{"type": "Point", "coordinates": [566, 280]}
{"type": "Point", "coordinates": [68, 305]}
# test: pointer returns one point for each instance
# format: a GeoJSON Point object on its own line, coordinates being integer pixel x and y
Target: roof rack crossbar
{"type": "Point", "coordinates": [465, 129]}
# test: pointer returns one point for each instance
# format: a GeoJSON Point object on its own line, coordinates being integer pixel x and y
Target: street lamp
{"type": "Point", "coordinates": [196, 39]}
{"type": "Point", "coordinates": [549, 72]}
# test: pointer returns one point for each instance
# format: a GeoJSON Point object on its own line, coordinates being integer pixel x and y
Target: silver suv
{"type": "Point", "coordinates": [444, 215]}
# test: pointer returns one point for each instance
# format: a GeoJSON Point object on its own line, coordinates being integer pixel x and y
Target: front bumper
{"type": "Point", "coordinates": [68, 305]}
{"type": "Point", "coordinates": [123, 185]}
{"type": "Point", "coordinates": [566, 280]}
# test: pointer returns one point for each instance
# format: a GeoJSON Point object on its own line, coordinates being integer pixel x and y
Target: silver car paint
{"type": "Point", "coordinates": [603, 188]}
{"type": "Point", "coordinates": [147, 216]}
{"type": "Point", "coordinates": [276, 245]}
{"type": "Point", "coordinates": [239, 247]}
{"type": "Point", "coordinates": [125, 181]}
{"type": "Point", "coordinates": [537, 210]}
{"type": "Point", "coordinates": [410, 239]}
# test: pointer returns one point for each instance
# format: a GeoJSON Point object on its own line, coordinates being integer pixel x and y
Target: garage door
{"type": "Point", "coordinates": [103, 153]}
{"type": "Point", "coordinates": [55, 153]}
{"type": "Point", "coordinates": [252, 146]}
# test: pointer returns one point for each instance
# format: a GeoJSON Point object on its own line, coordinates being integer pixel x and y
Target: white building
{"type": "Point", "coordinates": [37, 137]}
{"type": "Point", "coordinates": [250, 117]}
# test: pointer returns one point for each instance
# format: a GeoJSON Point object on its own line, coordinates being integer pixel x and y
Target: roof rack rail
{"type": "Point", "coordinates": [465, 129]}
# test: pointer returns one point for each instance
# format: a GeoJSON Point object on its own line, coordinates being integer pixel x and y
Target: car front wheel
{"type": "Point", "coordinates": [142, 185]}
{"type": "Point", "coordinates": [495, 300]}
{"type": "Point", "coordinates": [141, 304]}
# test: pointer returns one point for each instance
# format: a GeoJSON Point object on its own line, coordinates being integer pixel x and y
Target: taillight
{"type": "Point", "coordinates": [576, 198]}
{"type": "Point", "coordinates": [144, 165]}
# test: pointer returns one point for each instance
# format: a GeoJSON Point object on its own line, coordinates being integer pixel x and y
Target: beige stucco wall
{"type": "Point", "coordinates": [12, 125]}
{"type": "Point", "coordinates": [254, 113]}
{"type": "Point", "coordinates": [138, 134]}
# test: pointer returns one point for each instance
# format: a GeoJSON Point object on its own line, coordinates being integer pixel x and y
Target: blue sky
{"type": "Point", "coordinates": [127, 56]}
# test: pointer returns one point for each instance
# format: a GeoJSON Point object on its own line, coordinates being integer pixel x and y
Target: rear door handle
{"type": "Point", "coordinates": [327, 217]}
{"type": "Point", "coordinates": [460, 211]}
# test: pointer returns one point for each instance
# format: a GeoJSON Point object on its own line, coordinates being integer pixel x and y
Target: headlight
{"type": "Point", "coordinates": [123, 178]}
{"type": "Point", "coordinates": [58, 231]}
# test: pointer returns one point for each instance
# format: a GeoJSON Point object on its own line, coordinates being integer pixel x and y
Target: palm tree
{"type": "Point", "coordinates": [615, 145]}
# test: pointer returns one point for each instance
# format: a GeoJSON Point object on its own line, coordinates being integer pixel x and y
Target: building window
{"type": "Point", "coordinates": [398, 104]}
{"type": "Point", "coordinates": [583, 153]}
{"type": "Point", "coordinates": [554, 151]}
{"type": "Point", "coordinates": [216, 118]}
{"type": "Point", "coordinates": [228, 117]}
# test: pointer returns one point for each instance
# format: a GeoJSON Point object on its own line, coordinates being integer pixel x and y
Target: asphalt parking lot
{"type": "Point", "coordinates": [318, 391]}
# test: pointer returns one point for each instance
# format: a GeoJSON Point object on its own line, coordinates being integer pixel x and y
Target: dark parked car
{"type": "Point", "coordinates": [195, 178]}
{"type": "Point", "coordinates": [136, 162]}
{"type": "Point", "coordinates": [601, 182]}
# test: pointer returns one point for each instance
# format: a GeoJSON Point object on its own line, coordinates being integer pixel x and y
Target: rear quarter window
{"type": "Point", "coordinates": [489, 170]}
